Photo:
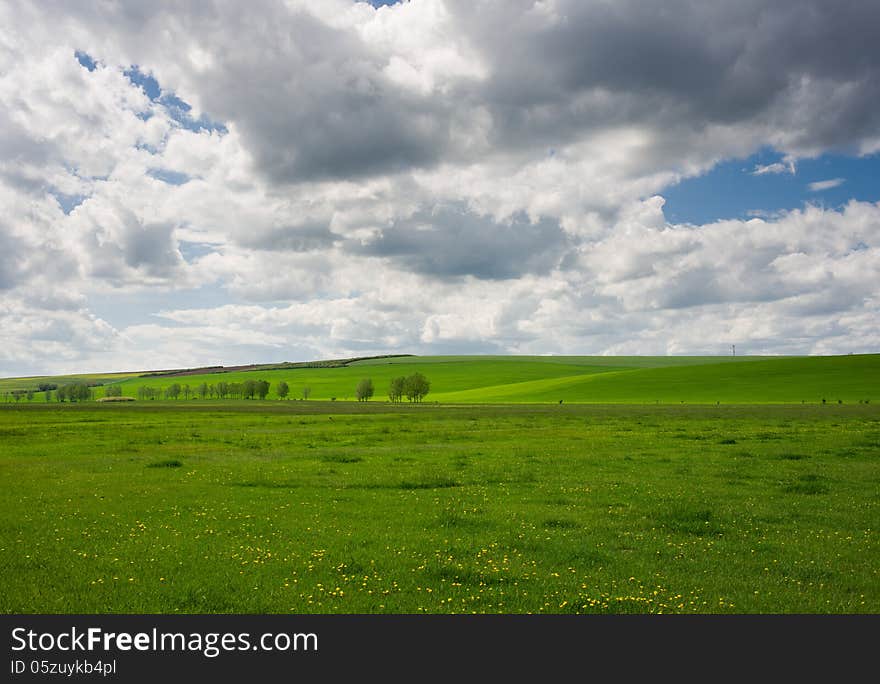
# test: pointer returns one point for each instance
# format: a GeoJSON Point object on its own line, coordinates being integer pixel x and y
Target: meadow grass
{"type": "Point", "coordinates": [327, 383]}
{"type": "Point", "coordinates": [585, 379]}
{"type": "Point", "coordinates": [33, 382]}
{"type": "Point", "coordinates": [276, 507]}
{"type": "Point", "coordinates": [550, 379]}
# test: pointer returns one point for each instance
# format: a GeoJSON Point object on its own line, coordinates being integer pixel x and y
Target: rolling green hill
{"type": "Point", "coordinates": [455, 374]}
{"type": "Point", "coordinates": [586, 379]}
{"type": "Point", "coordinates": [572, 379]}
{"type": "Point", "coordinates": [788, 380]}
{"type": "Point", "coordinates": [32, 382]}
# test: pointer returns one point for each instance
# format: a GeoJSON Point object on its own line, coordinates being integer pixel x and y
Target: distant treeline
{"type": "Point", "coordinates": [285, 365]}
{"type": "Point", "coordinates": [413, 388]}
{"type": "Point", "coordinates": [249, 389]}
{"type": "Point", "coordinates": [73, 391]}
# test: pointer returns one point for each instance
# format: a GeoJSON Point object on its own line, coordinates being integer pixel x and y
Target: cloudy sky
{"type": "Point", "coordinates": [217, 183]}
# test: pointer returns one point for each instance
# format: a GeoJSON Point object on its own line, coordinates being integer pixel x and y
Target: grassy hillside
{"type": "Point", "coordinates": [599, 361]}
{"type": "Point", "coordinates": [455, 374]}
{"type": "Point", "coordinates": [790, 380]}
{"type": "Point", "coordinates": [32, 382]}
{"type": "Point", "coordinates": [571, 379]}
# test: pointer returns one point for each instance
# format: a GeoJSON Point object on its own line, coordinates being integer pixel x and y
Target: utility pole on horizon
{"type": "Point", "coordinates": [733, 346]}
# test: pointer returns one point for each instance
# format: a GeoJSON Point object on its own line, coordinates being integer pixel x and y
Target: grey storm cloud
{"type": "Point", "coordinates": [314, 101]}
{"type": "Point", "coordinates": [151, 247]}
{"type": "Point", "coordinates": [453, 241]}
{"type": "Point", "coordinates": [809, 72]}
{"type": "Point", "coordinates": [303, 237]}
{"type": "Point", "coordinates": [695, 63]}
{"type": "Point", "coordinates": [120, 244]}
{"type": "Point", "coordinates": [314, 104]}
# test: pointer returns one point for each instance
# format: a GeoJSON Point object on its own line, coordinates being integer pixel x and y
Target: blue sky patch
{"type": "Point", "coordinates": [86, 60]}
{"type": "Point", "coordinates": [191, 251]}
{"type": "Point", "coordinates": [145, 82]}
{"type": "Point", "coordinates": [737, 189]}
{"type": "Point", "coordinates": [178, 110]}
{"type": "Point", "coordinates": [169, 176]}
{"type": "Point", "coordinates": [194, 250]}
{"type": "Point", "coordinates": [68, 202]}
{"type": "Point", "coordinates": [138, 308]}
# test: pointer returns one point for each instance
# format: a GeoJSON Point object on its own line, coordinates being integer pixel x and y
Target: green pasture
{"type": "Point", "coordinates": [612, 361]}
{"type": "Point", "coordinates": [32, 382]}
{"type": "Point", "coordinates": [552, 379]}
{"type": "Point", "coordinates": [299, 507]}
{"type": "Point", "coordinates": [702, 380]}
{"type": "Point", "coordinates": [327, 383]}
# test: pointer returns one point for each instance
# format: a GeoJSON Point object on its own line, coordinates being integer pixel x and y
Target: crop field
{"type": "Point", "coordinates": [319, 506]}
{"type": "Point", "coordinates": [585, 379]}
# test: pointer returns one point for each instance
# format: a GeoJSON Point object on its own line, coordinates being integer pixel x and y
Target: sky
{"type": "Point", "coordinates": [202, 183]}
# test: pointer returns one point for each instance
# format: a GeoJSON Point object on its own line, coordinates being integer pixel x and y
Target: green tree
{"type": "Point", "coordinates": [395, 389]}
{"type": "Point", "coordinates": [77, 391]}
{"type": "Point", "coordinates": [30, 395]}
{"type": "Point", "coordinates": [307, 392]}
{"type": "Point", "coordinates": [283, 390]}
{"type": "Point", "coordinates": [250, 388]}
{"type": "Point", "coordinates": [416, 387]}
{"type": "Point", "coordinates": [262, 388]}
{"type": "Point", "coordinates": [364, 390]}
{"type": "Point", "coordinates": [202, 390]}
{"type": "Point", "coordinates": [113, 391]}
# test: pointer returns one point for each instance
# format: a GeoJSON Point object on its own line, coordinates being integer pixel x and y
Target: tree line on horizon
{"type": "Point", "coordinates": [413, 388]}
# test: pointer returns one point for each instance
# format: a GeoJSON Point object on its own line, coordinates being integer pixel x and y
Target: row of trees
{"type": "Point", "coordinates": [249, 389]}
{"type": "Point", "coordinates": [75, 391]}
{"type": "Point", "coordinates": [413, 387]}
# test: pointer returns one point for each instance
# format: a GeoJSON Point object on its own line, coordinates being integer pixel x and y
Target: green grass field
{"type": "Point", "coordinates": [668, 484]}
{"type": "Point", "coordinates": [628, 380]}
{"type": "Point", "coordinates": [32, 382]}
{"type": "Point", "coordinates": [330, 507]}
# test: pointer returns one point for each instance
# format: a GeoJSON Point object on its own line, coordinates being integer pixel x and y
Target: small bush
{"type": "Point", "coordinates": [341, 458]}
{"type": "Point", "coordinates": [808, 484]}
{"type": "Point", "coordinates": [166, 463]}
